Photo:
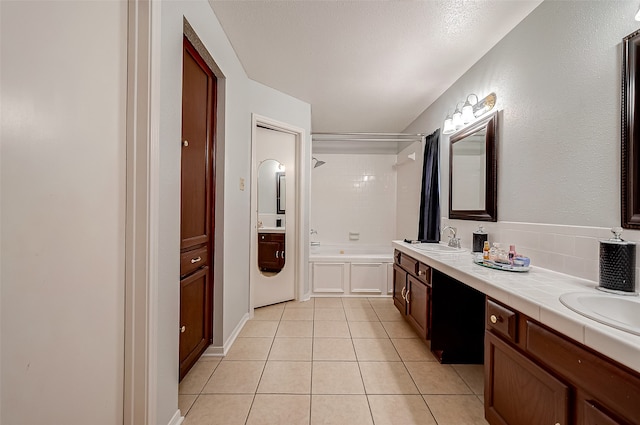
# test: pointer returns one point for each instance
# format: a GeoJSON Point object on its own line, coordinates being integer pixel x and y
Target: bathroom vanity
{"type": "Point", "coordinates": [544, 364]}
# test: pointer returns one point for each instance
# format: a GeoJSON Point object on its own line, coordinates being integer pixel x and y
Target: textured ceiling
{"type": "Point", "coordinates": [365, 66]}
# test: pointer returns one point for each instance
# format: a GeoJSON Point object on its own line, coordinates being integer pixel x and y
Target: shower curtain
{"type": "Point", "coordinates": [429, 224]}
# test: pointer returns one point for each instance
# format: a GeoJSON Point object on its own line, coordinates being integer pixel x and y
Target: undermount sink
{"type": "Point", "coordinates": [620, 312]}
{"type": "Point", "coordinates": [438, 247]}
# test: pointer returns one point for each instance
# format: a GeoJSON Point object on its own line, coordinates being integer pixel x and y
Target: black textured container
{"type": "Point", "coordinates": [617, 264]}
{"type": "Point", "coordinates": [479, 238]}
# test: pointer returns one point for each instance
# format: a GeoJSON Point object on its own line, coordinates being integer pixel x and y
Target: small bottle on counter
{"type": "Point", "coordinates": [479, 238]}
{"type": "Point", "coordinates": [485, 251]}
{"type": "Point", "coordinates": [493, 252]}
{"type": "Point", "coordinates": [512, 254]}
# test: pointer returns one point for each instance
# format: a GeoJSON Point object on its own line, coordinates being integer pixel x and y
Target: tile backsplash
{"type": "Point", "coordinates": [573, 250]}
{"type": "Point", "coordinates": [354, 193]}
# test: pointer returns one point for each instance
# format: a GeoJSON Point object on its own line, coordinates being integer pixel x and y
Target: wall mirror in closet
{"type": "Point", "coordinates": [271, 216]}
{"type": "Point", "coordinates": [473, 167]}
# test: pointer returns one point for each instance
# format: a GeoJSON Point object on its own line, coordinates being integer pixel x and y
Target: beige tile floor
{"type": "Point", "coordinates": [342, 361]}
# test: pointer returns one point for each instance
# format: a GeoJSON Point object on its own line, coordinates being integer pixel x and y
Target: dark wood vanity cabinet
{"type": "Point", "coordinates": [412, 292]}
{"type": "Point", "coordinates": [534, 375]}
{"type": "Point", "coordinates": [271, 251]}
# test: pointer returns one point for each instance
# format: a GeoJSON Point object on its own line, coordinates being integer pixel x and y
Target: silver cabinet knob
{"type": "Point", "coordinates": [196, 260]}
{"type": "Point", "coordinates": [420, 272]}
{"type": "Point", "coordinates": [185, 143]}
{"type": "Point", "coordinates": [183, 328]}
{"type": "Point", "coordinates": [493, 318]}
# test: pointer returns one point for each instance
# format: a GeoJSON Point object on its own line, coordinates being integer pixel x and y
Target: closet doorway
{"type": "Point", "coordinates": [197, 207]}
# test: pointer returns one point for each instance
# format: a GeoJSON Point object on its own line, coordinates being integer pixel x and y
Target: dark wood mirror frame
{"type": "Point", "coordinates": [490, 213]}
{"type": "Point", "coordinates": [279, 181]}
{"type": "Point", "coordinates": [630, 132]}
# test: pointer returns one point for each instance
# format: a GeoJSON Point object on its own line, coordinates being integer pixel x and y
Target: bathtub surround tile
{"type": "Point", "coordinates": [197, 377]}
{"type": "Point", "coordinates": [235, 377]}
{"type": "Point", "coordinates": [290, 409]}
{"type": "Point", "coordinates": [219, 409]}
{"type": "Point", "coordinates": [400, 409]}
{"type": "Point", "coordinates": [331, 329]}
{"type": "Point", "coordinates": [333, 349]}
{"type": "Point", "coordinates": [456, 409]}
{"type": "Point", "coordinates": [291, 349]}
{"type": "Point", "coordinates": [336, 378]}
{"type": "Point", "coordinates": [280, 377]}
{"type": "Point", "coordinates": [340, 410]}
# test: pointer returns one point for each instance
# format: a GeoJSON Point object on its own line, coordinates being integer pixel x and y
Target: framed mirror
{"type": "Point", "coordinates": [281, 191]}
{"type": "Point", "coordinates": [473, 171]}
{"type": "Point", "coordinates": [630, 132]}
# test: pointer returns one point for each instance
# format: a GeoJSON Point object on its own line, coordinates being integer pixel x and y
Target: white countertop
{"type": "Point", "coordinates": [270, 229]}
{"type": "Point", "coordinates": [536, 293]}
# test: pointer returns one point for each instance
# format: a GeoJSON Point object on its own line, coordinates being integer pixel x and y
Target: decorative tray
{"type": "Point", "coordinates": [500, 266]}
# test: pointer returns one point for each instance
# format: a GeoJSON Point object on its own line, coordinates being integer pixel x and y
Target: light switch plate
{"type": "Point", "coordinates": [241, 183]}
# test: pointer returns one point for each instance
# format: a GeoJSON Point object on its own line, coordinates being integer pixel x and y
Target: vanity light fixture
{"type": "Point", "coordinates": [467, 109]}
{"type": "Point", "coordinates": [448, 127]}
{"type": "Point", "coordinates": [457, 118]}
{"type": "Point", "coordinates": [469, 112]}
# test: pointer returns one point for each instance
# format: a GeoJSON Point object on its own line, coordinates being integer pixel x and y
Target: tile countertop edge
{"type": "Point", "coordinates": [535, 294]}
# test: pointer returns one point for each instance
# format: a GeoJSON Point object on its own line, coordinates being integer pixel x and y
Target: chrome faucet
{"type": "Point", "coordinates": [453, 241]}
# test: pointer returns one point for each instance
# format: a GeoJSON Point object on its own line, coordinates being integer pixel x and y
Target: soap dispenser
{"type": "Point", "coordinates": [617, 265]}
{"type": "Point", "coordinates": [479, 238]}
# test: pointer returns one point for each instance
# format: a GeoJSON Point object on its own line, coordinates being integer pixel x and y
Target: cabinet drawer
{"type": "Point", "coordinates": [502, 320]}
{"type": "Point", "coordinates": [424, 273]}
{"type": "Point", "coordinates": [271, 237]}
{"type": "Point", "coordinates": [193, 260]}
{"type": "Point", "coordinates": [408, 263]}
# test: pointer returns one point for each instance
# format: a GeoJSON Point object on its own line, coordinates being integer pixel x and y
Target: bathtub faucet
{"type": "Point", "coordinates": [314, 232]}
{"type": "Point", "coordinates": [315, 243]}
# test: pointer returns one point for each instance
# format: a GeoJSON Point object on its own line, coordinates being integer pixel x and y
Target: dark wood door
{"type": "Point", "coordinates": [197, 207]}
{"type": "Point", "coordinates": [417, 302]}
{"type": "Point", "coordinates": [519, 392]}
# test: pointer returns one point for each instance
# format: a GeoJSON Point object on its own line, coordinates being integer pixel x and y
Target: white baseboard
{"type": "Point", "coordinates": [222, 351]}
{"type": "Point", "coordinates": [177, 418]}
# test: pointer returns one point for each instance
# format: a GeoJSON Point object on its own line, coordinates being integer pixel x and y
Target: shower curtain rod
{"type": "Point", "coordinates": [344, 139]}
{"type": "Point", "coordinates": [370, 134]}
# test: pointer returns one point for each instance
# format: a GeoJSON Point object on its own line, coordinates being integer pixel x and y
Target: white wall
{"type": "Point", "coordinates": [241, 97]}
{"type": "Point", "coordinates": [354, 193]}
{"type": "Point", "coordinates": [63, 191]}
{"type": "Point", "coordinates": [557, 76]}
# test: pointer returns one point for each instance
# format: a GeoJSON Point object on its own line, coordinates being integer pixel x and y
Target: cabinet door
{"type": "Point", "coordinates": [519, 392]}
{"type": "Point", "coordinates": [590, 414]}
{"type": "Point", "coordinates": [417, 301]}
{"type": "Point", "coordinates": [269, 255]}
{"type": "Point", "coordinates": [194, 326]}
{"type": "Point", "coordinates": [399, 288]}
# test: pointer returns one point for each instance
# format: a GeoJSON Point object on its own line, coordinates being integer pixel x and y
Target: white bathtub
{"type": "Point", "coordinates": [351, 270]}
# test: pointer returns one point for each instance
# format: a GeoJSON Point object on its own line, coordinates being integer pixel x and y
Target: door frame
{"type": "Point", "coordinates": [298, 261]}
